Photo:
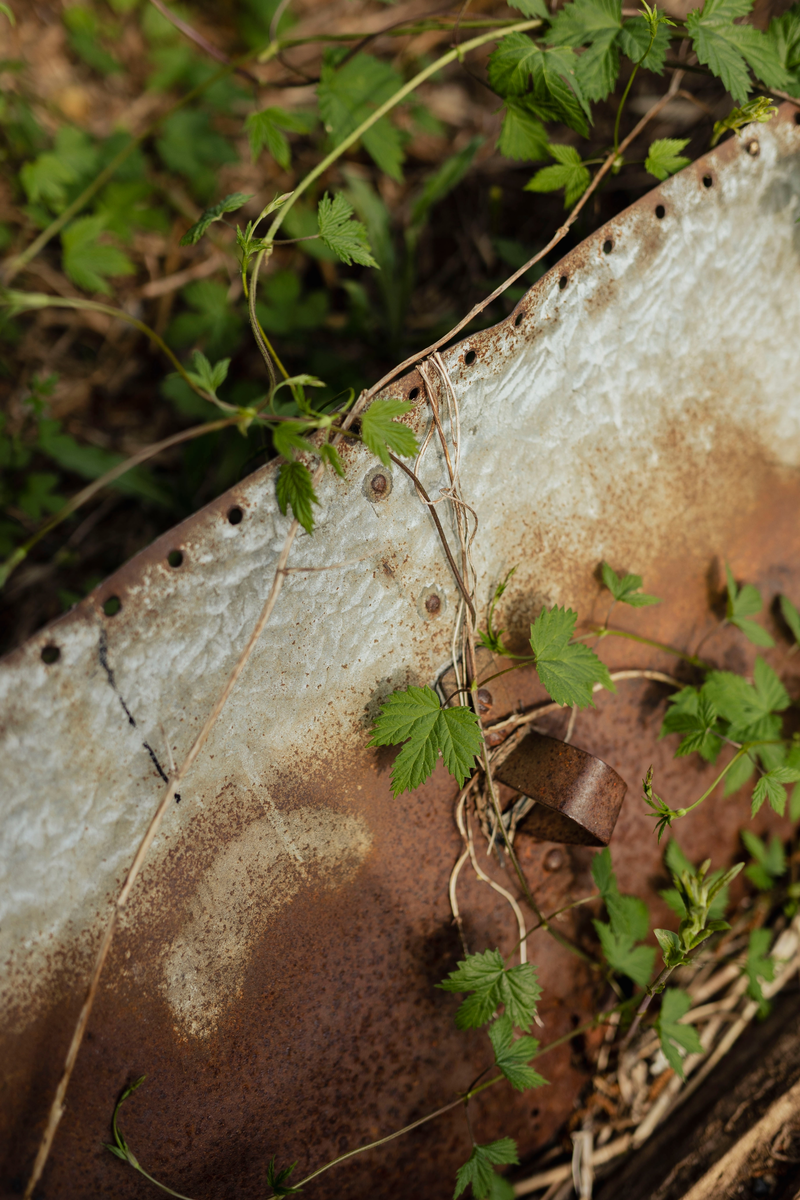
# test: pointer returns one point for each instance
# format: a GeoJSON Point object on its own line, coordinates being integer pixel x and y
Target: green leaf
{"type": "Point", "coordinates": [278, 1180]}
{"type": "Point", "coordinates": [512, 1057]}
{"type": "Point", "coordinates": [347, 238]}
{"type": "Point", "coordinates": [90, 462]}
{"type": "Point", "coordinates": [628, 923]}
{"type": "Point", "coordinates": [330, 455]}
{"type": "Point", "coordinates": [760, 109]}
{"type": "Point", "coordinates": [664, 157]}
{"type": "Point", "coordinates": [568, 670]}
{"type": "Point", "coordinates": [48, 177]}
{"type": "Point", "coordinates": [477, 1170]}
{"type": "Point", "coordinates": [295, 487]}
{"type": "Point", "coordinates": [531, 8]}
{"type": "Point", "coordinates": [206, 376]}
{"type": "Point", "coordinates": [728, 49]}
{"type": "Point", "coordinates": [349, 94]}
{"type": "Point", "coordinates": [265, 128]}
{"type": "Point", "coordinates": [621, 955]}
{"type": "Point", "coordinates": [209, 319]}
{"type": "Point", "coordinates": [791, 616]}
{"type": "Point", "coordinates": [88, 262]}
{"type": "Point", "coordinates": [671, 947]}
{"type": "Point", "coordinates": [523, 136]}
{"type": "Point", "coordinates": [570, 174]}
{"type": "Point", "coordinates": [770, 860]}
{"type": "Point", "coordinates": [6, 11]}
{"type": "Point", "coordinates": [442, 181]}
{"type": "Point", "coordinates": [217, 211]}
{"type": "Point", "coordinates": [493, 984]}
{"type": "Point", "coordinates": [190, 145]}
{"type": "Point", "coordinates": [740, 773]}
{"type": "Point", "coordinates": [742, 604]}
{"type": "Point", "coordinates": [759, 966]}
{"type": "Point", "coordinates": [784, 36]}
{"type": "Point", "coordinates": [635, 39]}
{"type": "Point", "coordinates": [596, 24]}
{"type": "Point", "coordinates": [770, 787]}
{"type": "Point", "coordinates": [677, 1039]}
{"type": "Point", "coordinates": [381, 432]}
{"type": "Point", "coordinates": [626, 588]}
{"type": "Point", "coordinates": [414, 716]}
{"type": "Point", "coordinates": [288, 437]}
{"type": "Point", "coordinates": [697, 728]}
{"type": "Point", "coordinates": [547, 78]}
{"type": "Point", "coordinates": [38, 497]}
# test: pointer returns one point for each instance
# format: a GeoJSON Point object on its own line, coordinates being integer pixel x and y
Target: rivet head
{"type": "Point", "coordinates": [485, 700]}
{"type": "Point", "coordinates": [377, 485]}
{"type": "Point", "coordinates": [553, 860]}
{"type": "Point", "coordinates": [431, 603]}
{"type": "Point", "coordinates": [753, 148]}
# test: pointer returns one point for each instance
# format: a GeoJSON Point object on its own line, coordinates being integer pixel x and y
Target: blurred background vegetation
{"type": "Point", "coordinates": [445, 210]}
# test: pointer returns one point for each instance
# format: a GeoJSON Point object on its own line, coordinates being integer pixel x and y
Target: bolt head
{"type": "Point", "coordinates": [379, 484]}
{"type": "Point", "coordinates": [433, 604]}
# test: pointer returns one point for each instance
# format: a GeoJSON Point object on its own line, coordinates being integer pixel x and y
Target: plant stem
{"type": "Point", "coordinates": [644, 641]}
{"type": "Point", "coordinates": [682, 812]}
{"type": "Point", "coordinates": [654, 988]}
{"type": "Point", "coordinates": [24, 301]}
{"type": "Point", "coordinates": [543, 921]}
{"type": "Point", "coordinates": [628, 88]}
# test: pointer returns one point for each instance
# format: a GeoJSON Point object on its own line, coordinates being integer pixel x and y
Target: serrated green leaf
{"type": "Point", "coordinates": [621, 955]}
{"type": "Point", "coordinates": [347, 238]}
{"type": "Point", "coordinates": [206, 376]}
{"type": "Point", "coordinates": [349, 94]}
{"type": "Point", "coordinates": [770, 787]}
{"type": "Point", "coordinates": [727, 49]}
{"type": "Point", "coordinates": [759, 965]}
{"type": "Point", "coordinates": [493, 984]}
{"type": "Point", "coordinates": [227, 204]}
{"type": "Point", "coordinates": [784, 35]}
{"type": "Point", "coordinates": [677, 1040]}
{"type": "Point", "coordinates": [596, 24]}
{"type": "Point", "coordinates": [791, 616]}
{"type": "Point", "coordinates": [740, 773]}
{"type": "Point", "coordinates": [770, 860]}
{"type": "Point", "coordinates": [664, 157]}
{"type": "Point", "coordinates": [278, 1180]}
{"type": "Point", "coordinates": [523, 136]}
{"type": "Point", "coordinates": [570, 174]}
{"type": "Point", "coordinates": [512, 1057]}
{"type": "Point", "coordinates": [288, 437]}
{"type": "Point", "coordinates": [330, 455]}
{"type": "Point", "coordinates": [382, 432]}
{"type": "Point", "coordinates": [414, 716]}
{"type": "Point", "coordinates": [567, 669]}
{"type": "Point", "coordinates": [626, 588]}
{"type": "Point", "coordinates": [548, 79]}
{"type": "Point", "coordinates": [89, 262]}
{"type": "Point", "coordinates": [531, 8]}
{"type": "Point", "coordinates": [266, 128]}
{"type": "Point", "coordinates": [477, 1170]}
{"type": "Point", "coordinates": [295, 489]}
{"type": "Point", "coordinates": [635, 39]}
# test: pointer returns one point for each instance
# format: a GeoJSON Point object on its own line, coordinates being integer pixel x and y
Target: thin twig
{"type": "Point", "coordinates": [201, 41]}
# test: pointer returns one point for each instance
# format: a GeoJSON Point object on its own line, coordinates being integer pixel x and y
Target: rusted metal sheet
{"type": "Point", "coordinates": [273, 975]}
{"type": "Point", "coordinates": [576, 797]}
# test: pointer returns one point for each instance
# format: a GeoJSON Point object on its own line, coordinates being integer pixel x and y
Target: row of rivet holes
{"type": "Point", "coordinates": [113, 604]}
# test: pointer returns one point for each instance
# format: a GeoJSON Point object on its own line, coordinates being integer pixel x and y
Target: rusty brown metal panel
{"type": "Point", "coordinates": [274, 973]}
